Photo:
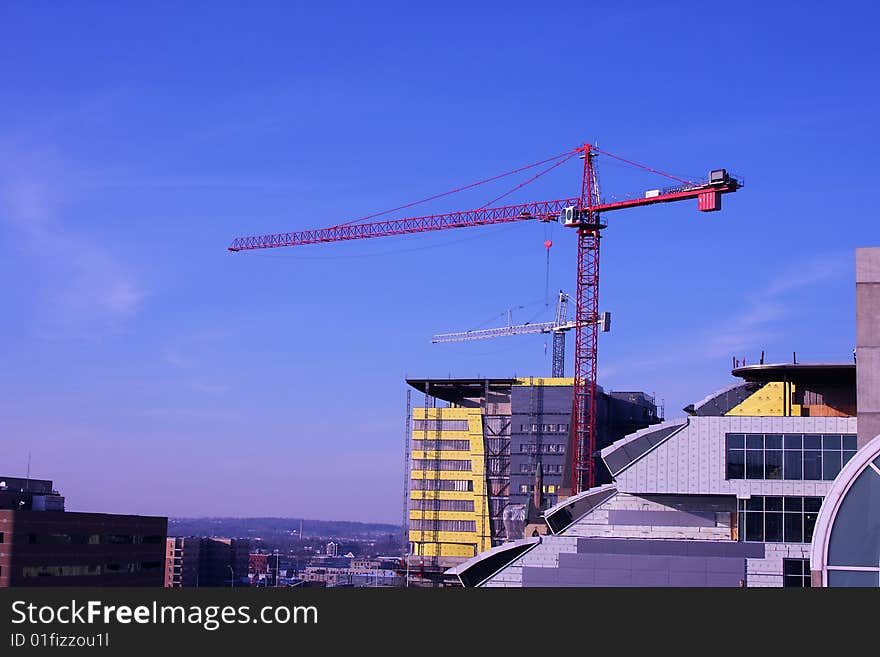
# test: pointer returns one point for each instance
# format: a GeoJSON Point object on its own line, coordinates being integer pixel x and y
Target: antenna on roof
{"type": "Point", "coordinates": [28, 480]}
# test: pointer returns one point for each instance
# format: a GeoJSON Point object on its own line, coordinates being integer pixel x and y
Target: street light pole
{"type": "Point", "coordinates": [232, 577]}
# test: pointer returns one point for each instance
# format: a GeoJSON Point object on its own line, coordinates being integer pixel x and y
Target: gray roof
{"type": "Point", "coordinates": [478, 569]}
{"type": "Point", "coordinates": [621, 454]}
{"type": "Point", "coordinates": [564, 514]}
{"type": "Point", "coordinates": [722, 401]}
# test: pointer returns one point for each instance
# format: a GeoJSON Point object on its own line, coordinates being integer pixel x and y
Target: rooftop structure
{"type": "Point", "coordinates": [726, 496]}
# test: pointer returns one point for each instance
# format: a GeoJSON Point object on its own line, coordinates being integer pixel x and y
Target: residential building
{"type": "Point", "coordinates": [199, 561]}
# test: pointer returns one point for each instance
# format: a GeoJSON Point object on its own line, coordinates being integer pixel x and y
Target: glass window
{"type": "Point", "coordinates": [754, 464]}
{"type": "Point", "coordinates": [850, 442]}
{"type": "Point", "coordinates": [810, 457]}
{"type": "Point", "coordinates": [773, 527]}
{"type": "Point", "coordinates": [796, 573]}
{"type": "Point", "coordinates": [852, 578]}
{"type": "Point", "coordinates": [830, 441]}
{"type": "Point", "coordinates": [794, 464]}
{"type": "Point", "coordinates": [779, 519]}
{"type": "Point", "coordinates": [754, 526]}
{"type": "Point", "coordinates": [793, 527]}
{"type": "Point", "coordinates": [809, 526]}
{"type": "Point", "coordinates": [830, 465]}
{"type": "Point", "coordinates": [812, 464]}
{"type": "Point", "coordinates": [736, 464]}
{"type": "Point", "coordinates": [773, 464]}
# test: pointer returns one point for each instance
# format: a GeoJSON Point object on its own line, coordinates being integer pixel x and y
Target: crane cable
{"type": "Point", "coordinates": [567, 155]}
{"type": "Point", "coordinates": [643, 166]}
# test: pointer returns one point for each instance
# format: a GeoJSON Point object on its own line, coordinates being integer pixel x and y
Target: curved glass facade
{"type": "Point", "coordinates": [846, 548]}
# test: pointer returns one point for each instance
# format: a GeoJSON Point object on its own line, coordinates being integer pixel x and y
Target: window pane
{"type": "Point", "coordinates": [812, 464]}
{"type": "Point", "coordinates": [852, 578]}
{"type": "Point", "coordinates": [812, 503]}
{"type": "Point", "coordinates": [794, 503]}
{"type": "Point", "coordinates": [794, 527]}
{"type": "Point", "coordinates": [812, 441]}
{"type": "Point", "coordinates": [850, 442]}
{"type": "Point", "coordinates": [794, 464]}
{"type": "Point", "coordinates": [773, 464]}
{"type": "Point", "coordinates": [755, 503]}
{"type": "Point", "coordinates": [755, 441]}
{"type": "Point", "coordinates": [830, 465]}
{"type": "Point", "coordinates": [773, 441]}
{"type": "Point", "coordinates": [847, 455]}
{"type": "Point", "coordinates": [754, 526]}
{"type": "Point", "coordinates": [809, 525]}
{"type": "Point", "coordinates": [773, 527]}
{"type": "Point", "coordinates": [792, 567]}
{"type": "Point", "coordinates": [736, 464]}
{"type": "Point", "coordinates": [830, 441]}
{"type": "Point", "coordinates": [773, 503]}
{"type": "Point", "coordinates": [793, 441]}
{"type": "Point", "coordinates": [736, 440]}
{"type": "Point", "coordinates": [755, 464]}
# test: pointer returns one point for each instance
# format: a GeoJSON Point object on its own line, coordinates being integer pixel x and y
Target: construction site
{"type": "Point", "coordinates": [554, 481]}
{"type": "Point", "coordinates": [486, 457]}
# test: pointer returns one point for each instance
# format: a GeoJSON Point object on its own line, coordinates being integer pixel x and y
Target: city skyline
{"type": "Point", "coordinates": [149, 371]}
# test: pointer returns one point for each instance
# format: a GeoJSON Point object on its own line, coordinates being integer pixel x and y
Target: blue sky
{"type": "Point", "coordinates": [148, 370]}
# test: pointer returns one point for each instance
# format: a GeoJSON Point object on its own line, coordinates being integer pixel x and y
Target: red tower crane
{"type": "Point", "coordinates": [582, 213]}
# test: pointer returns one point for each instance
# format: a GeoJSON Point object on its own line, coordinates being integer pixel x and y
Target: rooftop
{"type": "Point", "coordinates": [825, 372]}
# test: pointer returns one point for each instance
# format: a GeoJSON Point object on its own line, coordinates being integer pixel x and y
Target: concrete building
{"type": "Point", "coordinates": [868, 341]}
{"type": "Point", "coordinates": [196, 561]}
{"type": "Point", "coordinates": [41, 544]}
{"type": "Point", "coordinates": [344, 571]}
{"type": "Point", "coordinates": [774, 481]}
{"type": "Point", "coordinates": [489, 455]}
{"type": "Point", "coordinates": [726, 496]}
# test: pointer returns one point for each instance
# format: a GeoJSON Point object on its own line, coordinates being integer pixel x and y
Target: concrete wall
{"type": "Point", "coordinates": [868, 342]}
{"type": "Point", "coordinates": [767, 571]}
{"type": "Point", "coordinates": [635, 541]}
{"type": "Point", "coordinates": [632, 516]}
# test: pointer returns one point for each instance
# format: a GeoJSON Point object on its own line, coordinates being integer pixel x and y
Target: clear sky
{"type": "Point", "coordinates": [148, 370]}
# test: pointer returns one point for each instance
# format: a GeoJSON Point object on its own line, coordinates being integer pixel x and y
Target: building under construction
{"type": "Point", "coordinates": [487, 456]}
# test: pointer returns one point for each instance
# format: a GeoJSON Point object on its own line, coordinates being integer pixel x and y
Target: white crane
{"type": "Point", "coordinates": [557, 327]}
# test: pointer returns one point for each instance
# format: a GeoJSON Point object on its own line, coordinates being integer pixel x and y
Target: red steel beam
{"type": "Point", "coordinates": [667, 198]}
{"type": "Point", "coordinates": [541, 210]}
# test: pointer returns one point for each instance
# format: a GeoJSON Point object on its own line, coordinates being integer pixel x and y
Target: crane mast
{"type": "Point", "coordinates": [584, 213]}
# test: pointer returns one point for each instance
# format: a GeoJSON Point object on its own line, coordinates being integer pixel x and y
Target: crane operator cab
{"type": "Point", "coordinates": [570, 216]}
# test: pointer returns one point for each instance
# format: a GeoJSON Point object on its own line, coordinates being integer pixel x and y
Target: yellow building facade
{"type": "Point", "coordinates": [448, 507]}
